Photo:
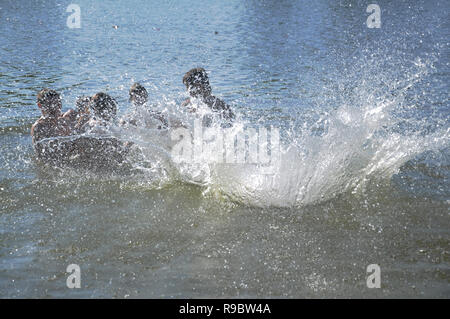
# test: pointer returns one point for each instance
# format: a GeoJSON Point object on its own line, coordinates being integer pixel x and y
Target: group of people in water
{"type": "Point", "coordinates": [95, 113]}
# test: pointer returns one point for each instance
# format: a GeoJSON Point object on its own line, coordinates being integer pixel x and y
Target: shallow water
{"type": "Point", "coordinates": [364, 173]}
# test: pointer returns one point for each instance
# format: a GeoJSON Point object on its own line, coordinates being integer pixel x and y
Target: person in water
{"type": "Point", "coordinates": [138, 95]}
{"type": "Point", "coordinates": [104, 111]}
{"type": "Point", "coordinates": [46, 133]}
{"type": "Point", "coordinates": [79, 116]}
{"type": "Point", "coordinates": [51, 123]}
{"type": "Point", "coordinates": [142, 115]}
{"type": "Point", "coordinates": [100, 150]}
{"type": "Point", "coordinates": [197, 84]}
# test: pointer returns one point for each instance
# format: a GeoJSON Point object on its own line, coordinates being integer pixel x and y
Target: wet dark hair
{"type": "Point", "coordinates": [103, 106]}
{"type": "Point", "coordinates": [138, 94]}
{"type": "Point", "coordinates": [49, 100]}
{"type": "Point", "coordinates": [82, 104]}
{"type": "Point", "coordinates": [197, 82]}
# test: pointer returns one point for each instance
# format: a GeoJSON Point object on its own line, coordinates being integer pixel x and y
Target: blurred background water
{"type": "Point", "coordinates": [364, 118]}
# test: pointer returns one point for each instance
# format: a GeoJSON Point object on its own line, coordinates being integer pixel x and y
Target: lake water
{"type": "Point", "coordinates": [364, 119]}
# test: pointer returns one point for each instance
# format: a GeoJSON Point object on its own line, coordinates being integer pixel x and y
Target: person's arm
{"type": "Point", "coordinates": [80, 126]}
{"type": "Point", "coordinates": [224, 109]}
{"type": "Point", "coordinates": [37, 132]}
{"type": "Point", "coordinates": [70, 118]}
{"type": "Point", "coordinates": [228, 113]}
{"type": "Point", "coordinates": [160, 117]}
{"type": "Point", "coordinates": [70, 115]}
{"type": "Point", "coordinates": [186, 102]}
{"type": "Point", "coordinates": [65, 126]}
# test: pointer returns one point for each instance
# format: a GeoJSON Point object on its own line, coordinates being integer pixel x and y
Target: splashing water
{"type": "Point", "coordinates": [356, 144]}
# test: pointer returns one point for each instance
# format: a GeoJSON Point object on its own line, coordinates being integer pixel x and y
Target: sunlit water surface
{"type": "Point", "coordinates": [364, 173]}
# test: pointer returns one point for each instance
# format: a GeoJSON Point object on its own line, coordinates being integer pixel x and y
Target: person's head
{"type": "Point", "coordinates": [82, 104]}
{"type": "Point", "coordinates": [103, 106]}
{"type": "Point", "coordinates": [197, 82]}
{"type": "Point", "coordinates": [138, 94]}
{"type": "Point", "coordinates": [49, 101]}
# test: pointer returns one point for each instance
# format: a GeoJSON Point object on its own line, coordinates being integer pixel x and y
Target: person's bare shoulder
{"type": "Point", "coordinates": [70, 115]}
{"type": "Point", "coordinates": [82, 122]}
{"type": "Point", "coordinates": [34, 127]}
{"type": "Point", "coordinates": [37, 130]}
{"type": "Point", "coordinates": [64, 127]}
